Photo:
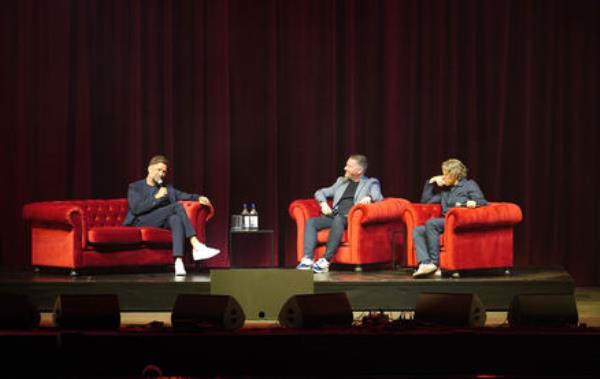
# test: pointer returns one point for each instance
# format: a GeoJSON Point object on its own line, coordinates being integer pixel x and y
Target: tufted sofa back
{"type": "Point", "coordinates": [110, 212]}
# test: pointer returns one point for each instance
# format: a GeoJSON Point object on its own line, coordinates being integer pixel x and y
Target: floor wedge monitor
{"type": "Point", "coordinates": [99, 311]}
{"type": "Point", "coordinates": [207, 311]}
{"type": "Point", "coordinates": [550, 310]}
{"type": "Point", "coordinates": [261, 292]}
{"type": "Point", "coordinates": [450, 309]}
{"type": "Point", "coordinates": [316, 311]}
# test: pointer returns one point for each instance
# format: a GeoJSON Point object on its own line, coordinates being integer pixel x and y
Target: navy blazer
{"type": "Point", "coordinates": [140, 199]}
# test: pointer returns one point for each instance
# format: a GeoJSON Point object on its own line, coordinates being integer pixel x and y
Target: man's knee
{"type": "Point", "coordinates": [311, 223]}
{"type": "Point", "coordinates": [177, 208]}
{"type": "Point", "coordinates": [174, 219]}
{"type": "Point", "coordinates": [434, 225]}
{"type": "Point", "coordinates": [418, 231]}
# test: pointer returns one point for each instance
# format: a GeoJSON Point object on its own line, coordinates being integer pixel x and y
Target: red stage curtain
{"type": "Point", "coordinates": [262, 100]}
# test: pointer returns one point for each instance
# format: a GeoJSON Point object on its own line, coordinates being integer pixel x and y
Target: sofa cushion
{"type": "Point", "coordinates": [114, 235]}
{"type": "Point", "coordinates": [153, 235]}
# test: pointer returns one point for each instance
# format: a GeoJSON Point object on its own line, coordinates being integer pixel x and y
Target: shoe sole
{"type": "Point", "coordinates": [420, 275]}
{"type": "Point", "coordinates": [201, 257]}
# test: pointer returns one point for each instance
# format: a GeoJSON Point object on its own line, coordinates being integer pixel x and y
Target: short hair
{"type": "Point", "coordinates": [361, 160]}
{"type": "Point", "coordinates": [158, 159]}
{"type": "Point", "coordinates": [455, 168]}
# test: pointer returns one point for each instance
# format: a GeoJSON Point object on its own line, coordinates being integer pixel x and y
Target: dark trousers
{"type": "Point", "coordinates": [336, 226]}
{"type": "Point", "coordinates": [427, 240]}
{"type": "Point", "coordinates": [172, 217]}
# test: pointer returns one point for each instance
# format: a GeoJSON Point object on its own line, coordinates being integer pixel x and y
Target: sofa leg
{"type": "Point", "coordinates": [456, 275]}
{"type": "Point", "coordinates": [73, 273]}
{"type": "Point", "coordinates": [507, 272]}
{"type": "Point", "coordinates": [36, 270]}
{"type": "Point", "coordinates": [358, 268]}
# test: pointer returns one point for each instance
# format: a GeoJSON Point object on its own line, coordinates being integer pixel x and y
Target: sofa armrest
{"type": "Point", "coordinates": [58, 214]}
{"type": "Point", "coordinates": [198, 214]}
{"type": "Point", "coordinates": [300, 211]}
{"type": "Point", "coordinates": [303, 209]}
{"type": "Point", "coordinates": [51, 212]}
{"type": "Point", "coordinates": [416, 214]}
{"type": "Point", "coordinates": [489, 216]}
{"type": "Point", "coordinates": [387, 210]}
{"type": "Point", "coordinates": [362, 216]}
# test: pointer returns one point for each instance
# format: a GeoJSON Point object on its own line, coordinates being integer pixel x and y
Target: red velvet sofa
{"type": "Point", "coordinates": [373, 230]}
{"type": "Point", "coordinates": [82, 234]}
{"type": "Point", "coordinates": [478, 238]}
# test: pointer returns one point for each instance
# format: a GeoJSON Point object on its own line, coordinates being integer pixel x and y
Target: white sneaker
{"type": "Point", "coordinates": [322, 265]}
{"type": "Point", "coordinates": [204, 252]}
{"type": "Point", "coordinates": [305, 264]}
{"type": "Point", "coordinates": [438, 273]}
{"type": "Point", "coordinates": [425, 269]}
{"type": "Point", "coordinates": [179, 268]}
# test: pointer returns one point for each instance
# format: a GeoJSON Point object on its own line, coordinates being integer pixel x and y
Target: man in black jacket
{"type": "Point", "coordinates": [154, 203]}
{"type": "Point", "coordinates": [451, 189]}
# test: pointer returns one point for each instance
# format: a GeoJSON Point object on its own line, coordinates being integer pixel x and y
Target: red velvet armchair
{"type": "Point", "coordinates": [473, 238]}
{"type": "Point", "coordinates": [368, 237]}
{"type": "Point", "coordinates": [82, 234]}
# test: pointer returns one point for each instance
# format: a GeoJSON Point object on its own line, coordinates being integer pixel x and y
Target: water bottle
{"type": "Point", "coordinates": [245, 217]}
{"type": "Point", "coordinates": [253, 218]}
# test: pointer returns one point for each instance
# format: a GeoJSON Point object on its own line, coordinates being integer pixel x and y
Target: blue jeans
{"type": "Point", "coordinates": [172, 217]}
{"type": "Point", "coordinates": [427, 240]}
{"type": "Point", "coordinates": [336, 225]}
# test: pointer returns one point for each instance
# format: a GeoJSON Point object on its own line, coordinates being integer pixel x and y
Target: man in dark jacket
{"type": "Point", "coordinates": [154, 203]}
{"type": "Point", "coordinates": [451, 189]}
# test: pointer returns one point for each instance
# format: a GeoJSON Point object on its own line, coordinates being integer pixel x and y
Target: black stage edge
{"type": "Point", "coordinates": [375, 290]}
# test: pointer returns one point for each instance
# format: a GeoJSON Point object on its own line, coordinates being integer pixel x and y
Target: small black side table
{"type": "Point", "coordinates": [270, 232]}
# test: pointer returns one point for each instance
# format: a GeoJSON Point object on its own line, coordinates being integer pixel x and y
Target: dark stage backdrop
{"type": "Point", "coordinates": [257, 100]}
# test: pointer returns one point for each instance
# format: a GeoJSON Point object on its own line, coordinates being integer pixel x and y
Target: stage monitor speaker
{"type": "Point", "coordinates": [261, 292]}
{"type": "Point", "coordinates": [316, 311]}
{"type": "Point", "coordinates": [207, 311]}
{"type": "Point", "coordinates": [450, 309]}
{"type": "Point", "coordinates": [543, 310]}
{"type": "Point", "coordinates": [96, 312]}
{"type": "Point", "coordinates": [17, 312]}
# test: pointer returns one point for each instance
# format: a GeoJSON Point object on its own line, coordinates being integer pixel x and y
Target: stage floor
{"type": "Point", "coordinates": [367, 291]}
{"type": "Point", "coordinates": [390, 349]}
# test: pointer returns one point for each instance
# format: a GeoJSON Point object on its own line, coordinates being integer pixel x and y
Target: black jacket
{"type": "Point", "coordinates": [461, 192]}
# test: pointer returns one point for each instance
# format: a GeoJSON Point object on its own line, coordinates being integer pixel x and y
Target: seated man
{"type": "Point", "coordinates": [154, 203]}
{"type": "Point", "coordinates": [451, 189]}
{"type": "Point", "coordinates": [353, 187]}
